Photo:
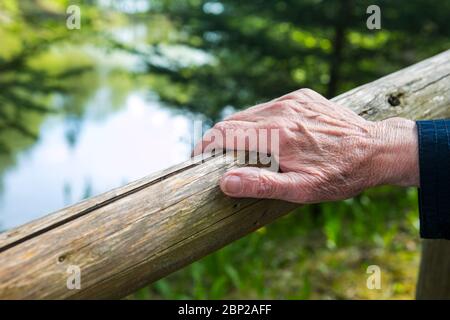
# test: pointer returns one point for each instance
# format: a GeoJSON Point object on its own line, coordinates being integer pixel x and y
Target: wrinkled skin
{"type": "Point", "coordinates": [326, 152]}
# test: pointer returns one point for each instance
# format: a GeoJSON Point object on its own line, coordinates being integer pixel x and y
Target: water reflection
{"type": "Point", "coordinates": [140, 138]}
{"type": "Point", "coordinates": [108, 129]}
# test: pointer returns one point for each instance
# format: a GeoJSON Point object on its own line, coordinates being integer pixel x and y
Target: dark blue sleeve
{"type": "Point", "coordinates": [434, 191]}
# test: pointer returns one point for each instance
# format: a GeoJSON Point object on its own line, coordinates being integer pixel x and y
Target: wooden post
{"type": "Point", "coordinates": [434, 275]}
{"type": "Point", "coordinates": [126, 238]}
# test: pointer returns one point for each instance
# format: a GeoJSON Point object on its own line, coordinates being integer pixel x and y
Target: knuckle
{"type": "Point", "coordinates": [285, 106]}
{"type": "Point", "coordinates": [305, 91]}
{"type": "Point", "coordinates": [290, 96]}
{"type": "Point", "coordinates": [307, 94]}
{"type": "Point", "coordinates": [238, 115]}
{"type": "Point", "coordinates": [224, 128]}
{"type": "Point", "coordinates": [278, 105]}
{"type": "Point", "coordinates": [221, 126]}
{"type": "Point", "coordinates": [265, 187]}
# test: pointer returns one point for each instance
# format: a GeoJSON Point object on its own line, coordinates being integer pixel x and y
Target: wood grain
{"type": "Point", "coordinates": [136, 234]}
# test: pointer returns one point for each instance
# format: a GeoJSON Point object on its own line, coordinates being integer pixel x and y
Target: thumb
{"type": "Point", "coordinates": [251, 182]}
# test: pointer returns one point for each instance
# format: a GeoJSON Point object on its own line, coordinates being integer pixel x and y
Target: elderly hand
{"type": "Point", "coordinates": [326, 152]}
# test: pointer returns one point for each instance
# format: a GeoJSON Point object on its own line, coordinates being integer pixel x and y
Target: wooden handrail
{"type": "Point", "coordinates": [126, 238]}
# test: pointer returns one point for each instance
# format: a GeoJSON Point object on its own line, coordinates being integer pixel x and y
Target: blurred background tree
{"type": "Point", "coordinates": [212, 58]}
{"type": "Point", "coordinates": [33, 70]}
{"type": "Point", "coordinates": [262, 49]}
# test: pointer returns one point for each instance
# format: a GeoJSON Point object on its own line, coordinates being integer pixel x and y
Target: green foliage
{"type": "Point", "coordinates": [263, 49]}
{"type": "Point", "coordinates": [43, 70]}
{"type": "Point", "coordinates": [33, 70]}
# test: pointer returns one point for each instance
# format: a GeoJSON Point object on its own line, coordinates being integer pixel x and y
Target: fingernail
{"type": "Point", "coordinates": [232, 184]}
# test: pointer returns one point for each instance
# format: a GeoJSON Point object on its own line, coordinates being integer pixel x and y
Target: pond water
{"type": "Point", "coordinates": [140, 138]}
{"type": "Point", "coordinates": [112, 147]}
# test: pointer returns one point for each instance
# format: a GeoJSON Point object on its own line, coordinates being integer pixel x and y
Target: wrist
{"type": "Point", "coordinates": [396, 159]}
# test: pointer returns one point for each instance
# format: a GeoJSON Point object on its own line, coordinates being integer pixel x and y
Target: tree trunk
{"type": "Point", "coordinates": [336, 59]}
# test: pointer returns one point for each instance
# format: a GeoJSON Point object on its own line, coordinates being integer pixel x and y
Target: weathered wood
{"type": "Point", "coordinates": [131, 236]}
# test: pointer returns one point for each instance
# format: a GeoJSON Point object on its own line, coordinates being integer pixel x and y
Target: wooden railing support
{"type": "Point", "coordinates": [434, 274]}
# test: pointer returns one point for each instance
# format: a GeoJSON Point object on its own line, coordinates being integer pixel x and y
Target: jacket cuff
{"type": "Point", "coordinates": [434, 191]}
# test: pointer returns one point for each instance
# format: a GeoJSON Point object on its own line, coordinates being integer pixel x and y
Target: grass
{"type": "Point", "coordinates": [316, 252]}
